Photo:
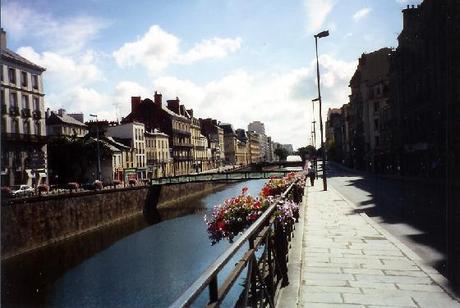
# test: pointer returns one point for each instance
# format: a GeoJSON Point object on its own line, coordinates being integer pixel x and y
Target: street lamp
{"type": "Point", "coordinates": [98, 152]}
{"type": "Point", "coordinates": [317, 36]}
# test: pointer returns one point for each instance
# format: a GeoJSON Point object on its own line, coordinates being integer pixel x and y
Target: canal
{"type": "Point", "coordinates": [129, 264]}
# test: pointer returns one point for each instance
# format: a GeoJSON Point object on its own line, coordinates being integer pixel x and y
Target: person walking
{"type": "Point", "coordinates": [311, 175]}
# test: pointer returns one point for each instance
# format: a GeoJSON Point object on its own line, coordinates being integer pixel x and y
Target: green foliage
{"type": "Point", "coordinates": [306, 152]}
{"type": "Point", "coordinates": [281, 153]}
{"type": "Point", "coordinates": [69, 159]}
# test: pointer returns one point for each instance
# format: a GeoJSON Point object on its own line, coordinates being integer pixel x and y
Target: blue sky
{"type": "Point", "coordinates": [236, 61]}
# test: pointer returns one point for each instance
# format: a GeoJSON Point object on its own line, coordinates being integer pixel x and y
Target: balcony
{"type": "Point", "coordinates": [183, 158]}
{"type": "Point", "coordinates": [14, 111]}
{"type": "Point", "coordinates": [181, 132]}
{"type": "Point", "coordinates": [25, 112]}
{"type": "Point", "coordinates": [23, 138]}
{"type": "Point", "coordinates": [37, 114]}
{"type": "Point", "coordinates": [182, 144]}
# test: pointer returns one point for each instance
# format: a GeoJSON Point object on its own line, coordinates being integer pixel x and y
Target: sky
{"type": "Point", "coordinates": [233, 60]}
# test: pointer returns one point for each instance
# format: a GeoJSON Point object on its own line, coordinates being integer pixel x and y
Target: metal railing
{"type": "Point", "coordinates": [265, 273]}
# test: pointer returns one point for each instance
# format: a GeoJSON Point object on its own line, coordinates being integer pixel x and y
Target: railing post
{"type": "Point", "coordinates": [213, 291]}
{"type": "Point", "coordinates": [253, 276]}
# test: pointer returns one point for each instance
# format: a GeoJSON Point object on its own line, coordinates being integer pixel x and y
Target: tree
{"type": "Point", "coordinates": [306, 152]}
{"type": "Point", "coordinates": [281, 153]}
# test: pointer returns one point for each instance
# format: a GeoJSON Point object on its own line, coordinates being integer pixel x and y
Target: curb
{"type": "Point", "coordinates": [431, 272]}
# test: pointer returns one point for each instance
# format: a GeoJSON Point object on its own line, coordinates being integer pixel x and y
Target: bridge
{"type": "Point", "coordinates": [220, 177]}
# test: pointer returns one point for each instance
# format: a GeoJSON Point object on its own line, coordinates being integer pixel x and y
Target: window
{"type": "Point", "coordinates": [14, 126]}
{"type": "Point", "coordinates": [376, 107]}
{"type": "Point", "coordinates": [25, 102]}
{"type": "Point", "coordinates": [37, 128]}
{"type": "Point", "coordinates": [12, 75]}
{"type": "Point", "coordinates": [26, 127]}
{"type": "Point", "coordinates": [13, 99]}
{"type": "Point", "coordinates": [24, 79]}
{"type": "Point", "coordinates": [36, 103]}
{"type": "Point", "coordinates": [35, 82]}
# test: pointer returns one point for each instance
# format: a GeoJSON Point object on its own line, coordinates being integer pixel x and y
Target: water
{"type": "Point", "coordinates": [129, 264]}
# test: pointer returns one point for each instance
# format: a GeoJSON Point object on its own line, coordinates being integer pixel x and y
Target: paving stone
{"type": "Point", "coordinates": [314, 297]}
{"type": "Point", "coordinates": [379, 299]}
{"type": "Point", "coordinates": [393, 279]}
{"type": "Point", "coordinates": [419, 287]}
{"type": "Point", "coordinates": [327, 276]}
{"type": "Point", "coordinates": [363, 271]}
{"type": "Point", "coordinates": [406, 273]}
{"type": "Point", "coordinates": [329, 283]}
{"type": "Point", "coordinates": [324, 305]}
{"type": "Point", "coordinates": [326, 289]}
{"type": "Point", "coordinates": [373, 285]}
{"type": "Point", "coordinates": [314, 269]}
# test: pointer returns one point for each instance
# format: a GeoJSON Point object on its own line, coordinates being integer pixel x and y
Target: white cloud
{"type": "Point", "coordinates": [360, 14]}
{"type": "Point", "coordinates": [61, 35]}
{"type": "Point", "coordinates": [282, 100]}
{"type": "Point", "coordinates": [122, 97]}
{"type": "Point", "coordinates": [69, 82]}
{"type": "Point", "coordinates": [317, 12]}
{"type": "Point", "coordinates": [156, 49]}
{"type": "Point", "coordinates": [215, 48]}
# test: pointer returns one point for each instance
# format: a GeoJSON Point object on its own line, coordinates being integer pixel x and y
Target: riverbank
{"type": "Point", "coordinates": [43, 221]}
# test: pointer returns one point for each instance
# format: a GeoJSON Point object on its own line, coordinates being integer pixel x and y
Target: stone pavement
{"type": "Point", "coordinates": [340, 258]}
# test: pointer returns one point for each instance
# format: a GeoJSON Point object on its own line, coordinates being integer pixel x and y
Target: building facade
{"type": "Point", "coordinates": [132, 135]}
{"type": "Point", "coordinates": [24, 150]}
{"type": "Point", "coordinates": [215, 136]}
{"type": "Point", "coordinates": [254, 147]}
{"type": "Point", "coordinates": [62, 124]}
{"type": "Point", "coordinates": [259, 128]}
{"type": "Point", "coordinates": [159, 161]}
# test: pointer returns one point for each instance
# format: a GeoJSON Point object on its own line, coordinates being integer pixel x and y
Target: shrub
{"type": "Point", "coordinates": [73, 186]}
{"type": "Point", "coordinates": [42, 188]}
{"type": "Point", "coordinates": [98, 184]}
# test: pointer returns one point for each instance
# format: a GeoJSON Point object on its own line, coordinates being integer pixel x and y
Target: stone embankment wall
{"type": "Point", "coordinates": [36, 222]}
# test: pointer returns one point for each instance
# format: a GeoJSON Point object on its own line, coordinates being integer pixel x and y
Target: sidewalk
{"type": "Point", "coordinates": [343, 259]}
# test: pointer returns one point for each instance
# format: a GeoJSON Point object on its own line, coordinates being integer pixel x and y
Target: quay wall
{"type": "Point", "coordinates": [30, 223]}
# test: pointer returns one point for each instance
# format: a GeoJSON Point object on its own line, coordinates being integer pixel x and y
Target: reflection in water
{"type": "Point", "coordinates": [127, 264]}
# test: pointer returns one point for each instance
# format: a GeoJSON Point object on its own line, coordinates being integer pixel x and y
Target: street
{"type": "Point", "coordinates": [411, 211]}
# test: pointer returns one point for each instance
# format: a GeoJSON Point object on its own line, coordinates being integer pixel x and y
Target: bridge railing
{"type": "Point", "coordinates": [266, 272]}
{"type": "Point", "coordinates": [218, 177]}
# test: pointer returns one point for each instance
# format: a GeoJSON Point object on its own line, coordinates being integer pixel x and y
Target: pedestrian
{"type": "Point", "coordinates": [311, 175]}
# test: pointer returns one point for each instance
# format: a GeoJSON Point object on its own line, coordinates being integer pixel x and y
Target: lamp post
{"type": "Point", "coordinates": [317, 36]}
{"type": "Point", "coordinates": [98, 152]}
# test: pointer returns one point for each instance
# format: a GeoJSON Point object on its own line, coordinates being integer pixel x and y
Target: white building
{"type": "Point", "coordinates": [24, 151]}
{"type": "Point", "coordinates": [133, 134]}
{"type": "Point", "coordinates": [62, 124]}
{"type": "Point", "coordinates": [259, 128]}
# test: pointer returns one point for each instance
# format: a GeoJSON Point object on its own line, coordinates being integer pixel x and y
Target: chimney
{"type": "Point", "coordinates": [190, 112]}
{"type": "Point", "coordinates": [61, 112]}
{"type": "Point", "coordinates": [410, 17]}
{"type": "Point", "coordinates": [182, 110]}
{"type": "Point", "coordinates": [135, 103]}
{"type": "Point", "coordinates": [214, 122]}
{"type": "Point", "coordinates": [2, 38]}
{"type": "Point", "coordinates": [173, 105]}
{"type": "Point", "coordinates": [157, 99]}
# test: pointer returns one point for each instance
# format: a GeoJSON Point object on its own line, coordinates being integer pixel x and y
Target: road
{"type": "Point", "coordinates": [408, 210]}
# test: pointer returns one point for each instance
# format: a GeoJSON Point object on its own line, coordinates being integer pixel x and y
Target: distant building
{"type": "Point", "coordinates": [254, 147]}
{"type": "Point", "coordinates": [61, 124]}
{"type": "Point", "coordinates": [230, 143]}
{"type": "Point", "coordinates": [173, 120]}
{"type": "Point", "coordinates": [288, 147]}
{"type": "Point", "coordinates": [159, 162]}
{"type": "Point", "coordinates": [334, 134]}
{"type": "Point", "coordinates": [215, 136]}
{"type": "Point", "coordinates": [24, 150]}
{"type": "Point", "coordinates": [132, 135]}
{"type": "Point", "coordinates": [259, 128]}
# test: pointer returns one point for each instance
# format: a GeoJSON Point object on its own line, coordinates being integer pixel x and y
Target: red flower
{"type": "Point", "coordinates": [220, 225]}
{"type": "Point", "coordinates": [244, 190]}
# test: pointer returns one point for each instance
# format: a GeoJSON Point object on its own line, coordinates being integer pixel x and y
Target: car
{"type": "Point", "coordinates": [21, 190]}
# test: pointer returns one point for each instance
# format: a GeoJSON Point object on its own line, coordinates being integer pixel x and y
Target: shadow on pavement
{"type": "Point", "coordinates": [419, 205]}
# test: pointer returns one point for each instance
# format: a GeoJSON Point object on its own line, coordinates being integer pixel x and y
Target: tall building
{"type": "Point", "coordinates": [259, 128]}
{"type": "Point", "coordinates": [230, 143]}
{"type": "Point", "coordinates": [254, 147]}
{"type": "Point", "coordinates": [369, 113]}
{"type": "Point", "coordinates": [24, 150]}
{"type": "Point", "coordinates": [157, 154]}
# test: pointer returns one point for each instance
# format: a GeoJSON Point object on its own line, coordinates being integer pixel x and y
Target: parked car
{"type": "Point", "coordinates": [21, 190]}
